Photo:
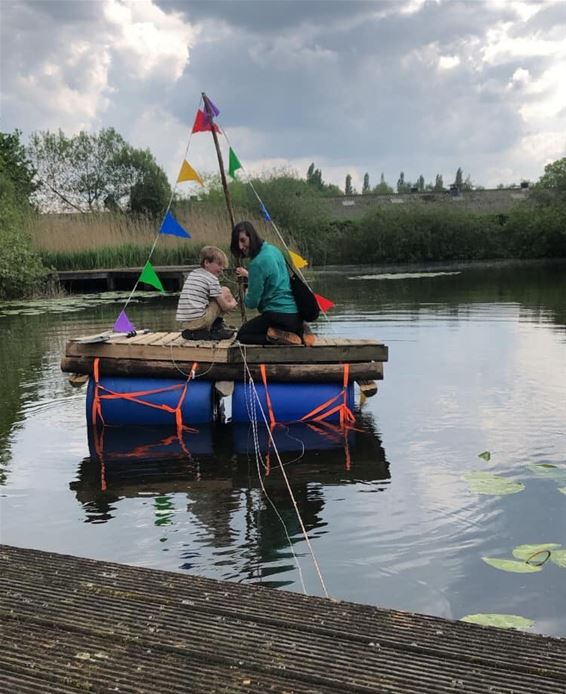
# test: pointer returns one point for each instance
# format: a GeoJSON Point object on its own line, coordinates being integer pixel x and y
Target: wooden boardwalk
{"type": "Point", "coordinates": [70, 624]}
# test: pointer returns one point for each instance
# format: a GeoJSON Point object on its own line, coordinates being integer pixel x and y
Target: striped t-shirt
{"type": "Point", "coordinates": [200, 287]}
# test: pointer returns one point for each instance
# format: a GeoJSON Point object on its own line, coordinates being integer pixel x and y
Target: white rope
{"type": "Point", "coordinates": [282, 467]}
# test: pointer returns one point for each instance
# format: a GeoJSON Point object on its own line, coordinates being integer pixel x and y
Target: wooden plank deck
{"type": "Point", "coordinates": [162, 346]}
{"type": "Point", "coordinates": [70, 624]}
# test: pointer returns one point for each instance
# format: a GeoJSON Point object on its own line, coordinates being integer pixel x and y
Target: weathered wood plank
{"type": "Point", "coordinates": [188, 351]}
{"type": "Point", "coordinates": [89, 625]}
{"type": "Point", "coordinates": [344, 351]}
{"type": "Point", "coordinates": [329, 373]}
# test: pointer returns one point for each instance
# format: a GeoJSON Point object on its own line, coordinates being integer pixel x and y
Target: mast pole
{"type": "Point", "coordinates": [210, 116]}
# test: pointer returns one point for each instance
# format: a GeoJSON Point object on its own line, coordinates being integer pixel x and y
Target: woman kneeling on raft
{"type": "Point", "coordinates": [268, 290]}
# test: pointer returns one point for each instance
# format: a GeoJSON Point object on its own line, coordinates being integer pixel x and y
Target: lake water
{"type": "Point", "coordinates": [477, 364]}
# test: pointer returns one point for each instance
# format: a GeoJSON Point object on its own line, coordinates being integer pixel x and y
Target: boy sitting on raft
{"type": "Point", "coordinates": [203, 302]}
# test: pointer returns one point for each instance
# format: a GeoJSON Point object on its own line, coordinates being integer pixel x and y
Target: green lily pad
{"type": "Point", "coordinates": [562, 490]}
{"type": "Point", "coordinates": [537, 554]}
{"type": "Point", "coordinates": [488, 483]}
{"type": "Point", "coordinates": [558, 557]}
{"type": "Point", "coordinates": [486, 455]}
{"type": "Point", "coordinates": [548, 471]}
{"type": "Point", "coordinates": [517, 567]}
{"type": "Point", "coordinates": [503, 621]}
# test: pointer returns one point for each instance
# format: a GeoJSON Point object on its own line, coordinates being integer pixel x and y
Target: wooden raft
{"type": "Point", "coordinates": [168, 355]}
{"type": "Point", "coordinates": [76, 625]}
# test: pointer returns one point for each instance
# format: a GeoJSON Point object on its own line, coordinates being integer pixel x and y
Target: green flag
{"type": "Point", "coordinates": [149, 276]}
{"type": "Point", "coordinates": [233, 163]}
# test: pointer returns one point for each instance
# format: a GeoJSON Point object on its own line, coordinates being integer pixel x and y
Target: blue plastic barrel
{"type": "Point", "coordinates": [196, 408]}
{"type": "Point", "coordinates": [290, 401]}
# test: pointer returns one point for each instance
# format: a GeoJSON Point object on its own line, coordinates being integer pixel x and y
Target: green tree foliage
{"type": "Point", "coordinates": [348, 190]}
{"type": "Point", "coordinates": [383, 188]}
{"type": "Point", "coordinates": [438, 183]}
{"type": "Point", "coordinates": [21, 270]}
{"type": "Point", "coordinates": [420, 183]}
{"type": "Point", "coordinates": [16, 165]}
{"type": "Point", "coordinates": [366, 188]}
{"type": "Point", "coordinates": [402, 185]}
{"type": "Point", "coordinates": [88, 172]}
{"type": "Point", "coordinates": [459, 180]}
{"type": "Point", "coordinates": [554, 175]}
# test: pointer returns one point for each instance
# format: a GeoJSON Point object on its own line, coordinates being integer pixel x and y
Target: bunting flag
{"type": "Point", "coordinates": [187, 173]}
{"type": "Point", "coordinates": [323, 303]}
{"type": "Point", "coordinates": [264, 212]}
{"type": "Point", "coordinates": [233, 163]}
{"type": "Point", "coordinates": [172, 227]}
{"type": "Point", "coordinates": [202, 124]}
{"type": "Point", "coordinates": [297, 261]}
{"type": "Point", "coordinates": [211, 106]}
{"type": "Point", "coordinates": [149, 276]}
{"type": "Point", "coordinates": [123, 324]}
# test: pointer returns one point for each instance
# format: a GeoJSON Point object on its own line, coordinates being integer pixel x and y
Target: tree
{"type": "Point", "coordinates": [366, 187]}
{"type": "Point", "coordinates": [402, 185]}
{"type": "Point", "coordinates": [458, 181]}
{"type": "Point", "coordinates": [468, 185]}
{"type": "Point", "coordinates": [14, 163]}
{"type": "Point", "coordinates": [91, 171]}
{"type": "Point", "coordinates": [348, 185]}
{"type": "Point", "coordinates": [383, 188]}
{"type": "Point", "coordinates": [421, 183]}
{"type": "Point", "coordinates": [438, 183]}
{"type": "Point", "coordinates": [314, 177]}
{"type": "Point", "coordinates": [554, 175]}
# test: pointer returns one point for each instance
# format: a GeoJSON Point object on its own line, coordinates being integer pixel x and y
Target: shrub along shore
{"type": "Point", "coordinates": [36, 244]}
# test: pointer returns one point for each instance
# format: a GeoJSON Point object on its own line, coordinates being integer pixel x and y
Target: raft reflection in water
{"type": "Point", "coordinates": [208, 486]}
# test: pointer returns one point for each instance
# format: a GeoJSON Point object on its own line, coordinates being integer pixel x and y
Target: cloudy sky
{"type": "Point", "coordinates": [356, 86]}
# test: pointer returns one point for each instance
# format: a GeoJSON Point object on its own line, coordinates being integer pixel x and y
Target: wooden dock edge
{"type": "Point", "coordinates": [69, 624]}
{"type": "Point", "coordinates": [223, 372]}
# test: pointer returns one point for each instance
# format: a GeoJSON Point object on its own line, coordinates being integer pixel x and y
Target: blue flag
{"type": "Point", "coordinates": [171, 226]}
{"type": "Point", "coordinates": [264, 212]}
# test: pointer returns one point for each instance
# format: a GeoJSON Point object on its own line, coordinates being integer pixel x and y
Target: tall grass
{"type": "Point", "coordinates": [108, 240]}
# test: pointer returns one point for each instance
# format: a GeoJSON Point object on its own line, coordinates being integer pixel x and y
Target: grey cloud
{"type": "Point", "coordinates": [272, 17]}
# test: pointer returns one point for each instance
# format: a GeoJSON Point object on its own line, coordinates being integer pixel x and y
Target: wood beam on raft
{"type": "Point", "coordinates": [311, 373]}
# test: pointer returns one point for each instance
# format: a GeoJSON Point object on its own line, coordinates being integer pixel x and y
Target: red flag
{"type": "Point", "coordinates": [324, 304]}
{"type": "Point", "coordinates": [202, 124]}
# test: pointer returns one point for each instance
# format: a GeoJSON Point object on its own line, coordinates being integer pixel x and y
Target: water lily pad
{"type": "Point", "coordinates": [488, 483]}
{"type": "Point", "coordinates": [536, 555]}
{"type": "Point", "coordinates": [486, 455]}
{"type": "Point", "coordinates": [503, 621]}
{"type": "Point", "coordinates": [517, 567]}
{"type": "Point", "coordinates": [558, 557]}
{"type": "Point", "coordinates": [562, 490]}
{"type": "Point", "coordinates": [548, 470]}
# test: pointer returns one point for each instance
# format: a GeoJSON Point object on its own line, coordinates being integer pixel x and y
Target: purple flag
{"type": "Point", "coordinates": [123, 324]}
{"type": "Point", "coordinates": [215, 110]}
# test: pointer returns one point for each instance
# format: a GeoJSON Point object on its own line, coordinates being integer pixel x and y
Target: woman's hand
{"type": "Point", "coordinates": [242, 272]}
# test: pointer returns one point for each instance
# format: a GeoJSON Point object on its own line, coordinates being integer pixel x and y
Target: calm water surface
{"type": "Point", "coordinates": [477, 363]}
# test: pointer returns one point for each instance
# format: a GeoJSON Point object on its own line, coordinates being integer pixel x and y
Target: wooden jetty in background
{"type": "Point", "coordinates": [168, 355]}
{"type": "Point", "coordinates": [70, 624]}
{"type": "Point", "coordinates": [113, 279]}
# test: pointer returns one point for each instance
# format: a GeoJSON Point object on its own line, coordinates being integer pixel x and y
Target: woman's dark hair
{"type": "Point", "coordinates": [256, 242]}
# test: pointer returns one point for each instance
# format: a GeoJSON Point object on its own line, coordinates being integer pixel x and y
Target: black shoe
{"type": "Point", "coordinates": [219, 324]}
{"type": "Point", "coordinates": [222, 333]}
{"type": "Point", "coordinates": [201, 334]}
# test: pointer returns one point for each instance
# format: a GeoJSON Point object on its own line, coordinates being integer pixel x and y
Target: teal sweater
{"type": "Point", "coordinates": [268, 282]}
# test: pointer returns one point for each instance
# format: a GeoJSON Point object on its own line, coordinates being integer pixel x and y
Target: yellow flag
{"type": "Point", "coordinates": [297, 261]}
{"type": "Point", "coordinates": [187, 173]}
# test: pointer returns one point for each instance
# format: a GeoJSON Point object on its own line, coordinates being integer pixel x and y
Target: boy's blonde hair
{"type": "Point", "coordinates": [212, 253]}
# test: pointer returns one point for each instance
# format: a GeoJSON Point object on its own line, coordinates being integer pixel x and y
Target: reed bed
{"type": "Point", "coordinates": [109, 240]}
